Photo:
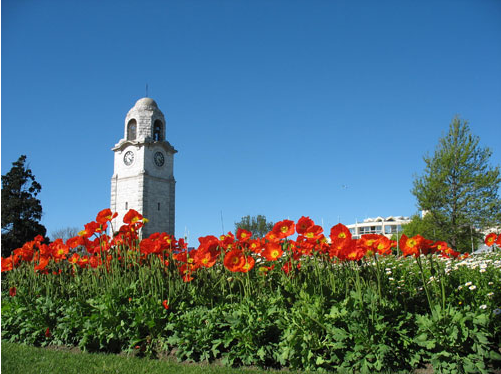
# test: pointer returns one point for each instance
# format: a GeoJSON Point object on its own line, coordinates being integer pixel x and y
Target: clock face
{"type": "Point", "coordinates": [159, 158]}
{"type": "Point", "coordinates": [129, 158]}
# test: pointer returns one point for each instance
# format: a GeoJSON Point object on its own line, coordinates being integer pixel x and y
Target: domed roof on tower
{"type": "Point", "coordinates": [145, 122]}
{"type": "Point", "coordinates": [146, 102]}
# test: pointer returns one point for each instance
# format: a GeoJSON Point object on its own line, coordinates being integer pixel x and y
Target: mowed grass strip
{"type": "Point", "coordinates": [21, 359]}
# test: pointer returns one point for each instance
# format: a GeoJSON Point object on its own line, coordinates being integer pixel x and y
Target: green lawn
{"type": "Point", "coordinates": [22, 359]}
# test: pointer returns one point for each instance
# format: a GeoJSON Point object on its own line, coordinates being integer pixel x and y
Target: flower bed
{"type": "Point", "coordinates": [313, 302]}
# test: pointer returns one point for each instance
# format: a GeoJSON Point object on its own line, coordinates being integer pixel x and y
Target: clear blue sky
{"type": "Point", "coordinates": [273, 105]}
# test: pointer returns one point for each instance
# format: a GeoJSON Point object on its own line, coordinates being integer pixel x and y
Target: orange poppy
{"type": "Point", "coordinates": [206, 257]}
{"type": "Point", "coordinates": [59, 249]}
{"type": "Point", "coordinates": [340, 232]}
{"type": "Point", "coordinates": [255, 245]}
{"type": "Point", "coordinates": [132, 217]}
{"type": "Point", "coordinates": [314, 232]}
{"type": "Point", "coordinates": [411, 246]}
{"type": "Point", "coordinates": [355, 251]}
{"type": "Point", "coordinates": [303, 224]}
{"type": "Point", "coordinates": [105, 215]}
{"type": "Point", "coordinates": [83, 261]}
{"type": "Point", "coordinates": [243, 235]}
{"type": "Point", "coordinates": [369, 242]}
{"type": "Point", "coordinates": [74, 258]}
{"type": "Point", "coordinates": [384, 245]}
{"type": "Point", "coordinates": [165, 304]}
{"type": "Point", "coordinates": [234, 260]}
{"type": "Point", "coordinates": [42, 263]}
{"type": "Point", "coordinates": [272, 251]}
{"type": "Point", "coordinates": [490, 239]}
{"type": "Point", "coordinates": [284, 228]}
{"type": "Point", "coordinates": [249, 264]}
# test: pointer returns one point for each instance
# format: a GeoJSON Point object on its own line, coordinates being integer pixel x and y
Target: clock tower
{"type": "Point", "coordinates": [143, 177]}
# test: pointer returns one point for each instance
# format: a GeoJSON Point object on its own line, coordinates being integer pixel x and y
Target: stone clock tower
{"type": "Point", "coordinates": [143, 177]}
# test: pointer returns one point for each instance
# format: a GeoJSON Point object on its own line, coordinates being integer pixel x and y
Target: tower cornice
{"type": "Point", "coordinates": [167, 147]}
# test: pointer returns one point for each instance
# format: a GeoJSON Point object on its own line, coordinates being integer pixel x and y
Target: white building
{"type": "Point", "coordinates": [385, 226]}
{"type": "Point", "coordinates": [143, 177]}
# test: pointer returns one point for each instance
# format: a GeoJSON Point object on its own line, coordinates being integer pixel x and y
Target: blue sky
{"type": "Point", "coordinates": [274, 106]}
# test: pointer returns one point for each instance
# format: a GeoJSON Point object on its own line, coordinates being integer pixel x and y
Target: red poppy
{"type": "Point", "coordinates": [186, 270]}
{"type": "Point", "coordinates": [206, 257]}
{"type": "Point", "coordinates": [105, 215]}
{"type": "Point", "coordinates": [26, 252]}
{"type": "Point", "coordinates": [287, 267]}
{"type": "Point", "coordinates": [384, 245]}
{"type": "Point", "coordinates": [83, 261]}
{"type": "Point", "coordinates": [272, 251]}
{"type": "Point", "coordinates": [490, 239]}
{"type": "Point", "coordinates": [272, 237]}
{"type": "Point", "coordinates": [12, 291]}
{"type": "Point", "coordinates": [234, 260]}
{"type": "Point", "coordinates": [449, 252]}
{"type": "Point", "coordinates": [314, 232]}
{"type": "Point", "coordinates": [132, 217]}
{"type": "Point", "coordinates": [411, 246]}
{"type": "Point", "coordinates": [340, 232]}
{"type": "Point", "coordinates": [249, 264]}
{"type": "Point", "coordinates": [255, 245]}
{"type": "Point", "coordinates": [303, 224]}
{"type": "Point", "coordinates": [42, 264]}
{"type": "Point", "coordinates": [74, 258]}
{"type": "Point", "coordinates": [90, 229]}
{"type": "Point", "coordinates": [226, 241]}
{"type": "Point", "coordinates": [7, 264]}
{"type": "Point", "coordinates": [355, 251]}
{"type": "Point", "coordinates": [59, 249]}
{"type": "Point", "coordinates": [284, 228]}
{"type": "Point", "coordinates": [47, 333]}
{"type": "Point", "coordinates": [338, 247]}
{"type": "Point", "coordinates": [243, 235]}
{"type": "Point", "coordinates": [369, 242]}
{"type": "Point", "coordinates": [95, 261]}
{"type": "Point", "coordinates": [165, 304]}
{"type": "Point", "coordinates": [75, 241]}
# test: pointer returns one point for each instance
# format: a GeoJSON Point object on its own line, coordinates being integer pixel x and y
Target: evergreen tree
{"type": "Point", "coordinates": [459, 189]}
{"type": "Point", "coordinates": [255, 224]}
{"type": "Point", "coordinates": [21, 210]}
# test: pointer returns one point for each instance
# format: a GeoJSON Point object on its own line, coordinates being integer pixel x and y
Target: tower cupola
{"type": "Point", "coordinates": [145, 122]}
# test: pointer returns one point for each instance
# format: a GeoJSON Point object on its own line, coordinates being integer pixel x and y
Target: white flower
{"type": "Point", "coordinates": [460, 287]}
{"type": "Point", "coordinates": [390, 278]}
{"type": "Point", "coordinates": [490, 294]}
{"type": "Point", "coordinates": [482, 270]}
{"type": "Point", "coordinates": [468, 284]}
{"type": "Point", "coordinates": [490, 283]}
{"type": "Point", "coordinates": [497, 311]}
{"type": "Point", "coordinates": [483, 306]}
{"type": "Point", "coordinates": [472, 287]}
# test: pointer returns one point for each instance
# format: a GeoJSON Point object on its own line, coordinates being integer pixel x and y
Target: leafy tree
{"type": "Point", "coordinates": [424, 226]}
{"type": "Point", "coordinates": [21, 210]}
{"type": "Point", "coordinates": [255, 224]}
{"type": "Point", "coordinates": [459, 189]}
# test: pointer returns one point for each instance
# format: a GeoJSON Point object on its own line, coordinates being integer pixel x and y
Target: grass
{"type": "Point", "coordinates": [22, 359]}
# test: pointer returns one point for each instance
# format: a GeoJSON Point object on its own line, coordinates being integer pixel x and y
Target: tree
{"type": "Point", "coordinates": [21, 210]}
{"type": "Point", "coordinates": [255, 224]}
{"type": "Point", "coordinates": [459, 189]}
{"type": "Point", "coordinates": [64, 233]}
{"type": "Point", "coordinates": [422, 225]}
